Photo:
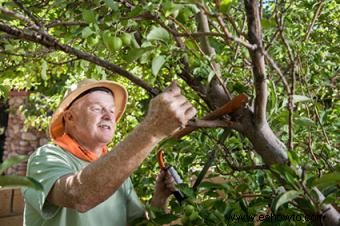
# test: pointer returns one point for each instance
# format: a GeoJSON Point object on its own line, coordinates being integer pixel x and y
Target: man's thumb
{"type": "Point", "coordinates": [172, 86]}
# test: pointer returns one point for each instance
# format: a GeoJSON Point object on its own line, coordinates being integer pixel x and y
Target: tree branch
{"type": "Point", "coordinates": [198, 34]}
{"type": "Point", "coordinates": [277, 69]}
{"type": "Point", "coordinates": [29, 13]}
{"type": "Point", "coordinates": [257, 56]}
{"type": "Point", "coordinates": [218, 85]}
{"type": "Point", "coordinates": [19, 16]}
{"type": "Point", "coordinates": [315, 17]}
{"type": "Point", "coordinates": [199, 123]}
{"type": "Point", "coordinates": [50, 42]}
{"type": "Point", "coordinates": [65, 23]}
{"type": "Point", "coordinates": [291, 92]}
{"type": "Point", "coordinates": [228, 36]}
{"type": "Point", "coordinates": [231, 106]}
{"type": "Point", "coordinates": [186, 72]}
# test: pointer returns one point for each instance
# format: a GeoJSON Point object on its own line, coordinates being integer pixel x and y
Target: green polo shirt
{"type": "Point", "coordinates": [49, 163]}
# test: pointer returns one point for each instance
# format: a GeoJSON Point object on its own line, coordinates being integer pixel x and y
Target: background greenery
{"type": "Point", "coordinates": [302, 38]}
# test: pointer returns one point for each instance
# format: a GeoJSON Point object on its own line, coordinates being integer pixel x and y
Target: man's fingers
{"type": "Point", "coordinates": [173, 88]}
{"type": "Point", "coordinates": [191, 112]}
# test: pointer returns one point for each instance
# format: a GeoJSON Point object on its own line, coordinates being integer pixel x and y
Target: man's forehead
{"type": "Point", "coordinates": [97, 96]}
{"type": "Point", "coordinates": [92, 94]}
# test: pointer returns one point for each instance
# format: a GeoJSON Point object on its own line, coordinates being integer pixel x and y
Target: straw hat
{"type": "Point", "coordinates": [57, 128]}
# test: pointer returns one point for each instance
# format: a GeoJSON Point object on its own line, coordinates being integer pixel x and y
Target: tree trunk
{"type": "Point", "coordinates": [265, 142]}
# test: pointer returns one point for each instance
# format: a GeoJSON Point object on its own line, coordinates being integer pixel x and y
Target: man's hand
{"type": "Point", "coordinates": [165, 186]}
{"type": "Point", "coordinates": [169, 112]}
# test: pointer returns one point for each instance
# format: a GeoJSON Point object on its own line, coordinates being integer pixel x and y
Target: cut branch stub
{"type": "Point", "coordinates": [227, 108]}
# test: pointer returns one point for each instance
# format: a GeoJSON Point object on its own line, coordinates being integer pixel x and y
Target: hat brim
{"type": "Point", "coordinates": [57, 129]}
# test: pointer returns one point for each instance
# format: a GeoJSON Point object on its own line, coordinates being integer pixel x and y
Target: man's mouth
{"type": "Point", "coordinates": [104, 126]}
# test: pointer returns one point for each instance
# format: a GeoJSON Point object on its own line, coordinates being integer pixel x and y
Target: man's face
{"type": "Point", "coordinates": [93, 118]}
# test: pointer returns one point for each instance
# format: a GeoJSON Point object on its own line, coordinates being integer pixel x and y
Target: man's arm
{"type": "Point", "coordinates": [95, 183]}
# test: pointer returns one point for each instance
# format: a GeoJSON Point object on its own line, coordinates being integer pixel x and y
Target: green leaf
{"type": "Point", "coordinates": [327, 179]}
{"type": "Point", "coordinates": [113, 5]}
{"type": "Point", "coordinates": [13, 160]}
{"type": "Point", "coordinates": [136, 53]}
{"type": "Point", "coordinates": [211, 75]}
{"type": "Point", "coordinates": [225, 5]}
{"type": "Point", "coordinates": [186, 190]}
{"type": "Point", "coordinates": [299, 98]}
{"type": "Point", "coordinates": [15, 181]}
{"type": "Point", "coordinates": [43, 70]}
{"type": "Point", "coordinates": [4, 91]}
{"type": "Point", "coordinates": [157, 64]}
{"type": "Point", "coordinates": [89, 16]}
{"type": "Point", "coordinates": [86, 32]}
{"type": "Point", "coordinates": [158, 33]}
{"type": "Point", "coordinates": [164, 218]}
{"type": "Point", "coordinates": [286, 173]}
{"type": "Point", "coordinates": [268, 23]}
{"type": "Point", "coordinates": [305, 122]}
{"type": "Point", "coordinates": [286, 197]}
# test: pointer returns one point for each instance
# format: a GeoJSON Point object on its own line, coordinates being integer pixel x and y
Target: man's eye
{"type": "Point", "coordinates": [97, 109]}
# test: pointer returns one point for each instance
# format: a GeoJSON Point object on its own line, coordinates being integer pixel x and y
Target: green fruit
{"type": "Point", "coordinates": [185, 220]}
{"type": "Point", "coordinates": [193, 216]}
{"type": "Point", "coordinates": [115, 43]}
{"type": "Point", "coordinates": [126, 38]}
{"type": "Point", "coordinates": [188, 209]}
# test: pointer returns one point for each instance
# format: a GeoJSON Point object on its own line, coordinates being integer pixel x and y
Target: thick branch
{"type": "Point", "coordinates": [18, 16]}
{"type": "Point", "coordinates": [255, 37]}
{"type": "Point", "coordinates": [52, 43]}
{"type": "Point", "coordinates": [217, 90]}
{"type": "Point", "coordinates": [199, 123]}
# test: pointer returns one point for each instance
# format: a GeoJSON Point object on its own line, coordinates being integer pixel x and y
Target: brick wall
{"type": "Point", "coordinates": [18, 142]}
{"type": "Point", "coordinates": [11, 207]}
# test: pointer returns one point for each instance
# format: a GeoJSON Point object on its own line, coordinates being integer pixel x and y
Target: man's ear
{"type": "Point", "coordinates": [68, 116]}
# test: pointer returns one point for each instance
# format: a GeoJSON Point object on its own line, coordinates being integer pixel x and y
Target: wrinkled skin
{"type": "Point", "coordinates": [91, 122]}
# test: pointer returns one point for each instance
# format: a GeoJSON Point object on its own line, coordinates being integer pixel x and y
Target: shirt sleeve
{"type": "Point", "coordinates": [135, 208]}
{"type": "Point", "coordinates": [46, 165]}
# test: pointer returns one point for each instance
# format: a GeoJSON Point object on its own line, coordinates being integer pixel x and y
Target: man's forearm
{"type": "Point", "coordinates": [100, 179]}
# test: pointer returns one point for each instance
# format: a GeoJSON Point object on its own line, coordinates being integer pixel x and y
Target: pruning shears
{"type": "Point", "coordinates": [178, 180]}
{"type": "Point", "coordinates": [231, 106]}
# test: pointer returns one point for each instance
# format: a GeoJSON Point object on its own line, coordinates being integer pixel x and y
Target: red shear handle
{"type": "Point", "coordinates": [160, 159]}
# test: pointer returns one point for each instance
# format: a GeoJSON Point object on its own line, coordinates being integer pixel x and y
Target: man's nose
{"type": "Point", "coordinates": [108, 114]}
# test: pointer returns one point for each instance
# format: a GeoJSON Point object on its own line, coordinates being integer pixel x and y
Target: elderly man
{"type": "Point", "coordinates": [84, 184]}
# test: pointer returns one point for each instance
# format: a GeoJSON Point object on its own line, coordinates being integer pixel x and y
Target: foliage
{"type": "Point", "coordinates": [10, 181]}
{"type": "Point", "coordinates": [143, 38]}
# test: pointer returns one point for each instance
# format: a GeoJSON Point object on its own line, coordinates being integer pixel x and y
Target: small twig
{"type": "Point", "coordinates": [277, 69]}
{"type": "Point", "coordinates": [234, 166]}
{"type": "Point", "coordinates": [63, 62]}
{"type": "Point", "coordinates": [29, 13]}
{"type": "Point", "coordinates": [228, 36]}
{"type": "Point", "coordinates": [291, 92]}
{"type": "Point", "coordinates": [65, 23]}
{"type": "Point", "coordinates": [315, 17]}
{"type": "Point", "coordinates": [198, 34]}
